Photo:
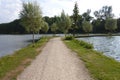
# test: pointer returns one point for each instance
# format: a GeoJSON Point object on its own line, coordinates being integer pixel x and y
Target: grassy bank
{"type": "Point", "coordinates": [12, 65]}
{"type": "Point", "coordinates": [99, 66]}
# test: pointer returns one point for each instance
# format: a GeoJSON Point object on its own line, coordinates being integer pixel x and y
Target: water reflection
{"type": "Point", "coordinates": [109, 46]}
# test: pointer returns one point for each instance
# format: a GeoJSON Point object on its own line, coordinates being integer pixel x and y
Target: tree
{"type": "Point", "coordinates": [86, 16]}
{"type": "Point", "coordinates": [31, 17]}
{"type": "Point", "coordinates": [13, 27]}
{"type": "Point", "coordinates": [61, 21]}
{"type": "Point", "coordinates": [45, 27]}
{"type": "Point", "coordinates": [98, 26]}
{"type": "Point", "coordinates": [98, 14]}
{"type": "Point", "coordinates": [87, 27]}
{"type": "Point", "coordinates": [107, 12]}
{"type": "Point", "coordinates": [118, 24]}
{"type": "Point", "coordinates": [68, 22]}
{"type": "Point", "coordinates": [75, 18]}
{"type": "Point", "coordinates": [54, 28]}
{"type": "Point", "coordinates": [104, 13]}
{"type": "Point", "coordinates": [64, 23]}
{"type": "Point", "coordinates": [111, 25]}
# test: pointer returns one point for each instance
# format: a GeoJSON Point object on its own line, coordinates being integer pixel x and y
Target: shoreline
{"type": "Point", "coordinates": [95, 35]}
{"type": "Point", "coordinates": [13, 65]}
{"type": "Point", "coordinates": [100, 66]}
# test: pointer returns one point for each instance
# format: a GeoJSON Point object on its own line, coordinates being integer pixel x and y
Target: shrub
{"type": "Point", "coordinates": [84, 44]}
{"type": "Point", "coordinates": [69, 38]}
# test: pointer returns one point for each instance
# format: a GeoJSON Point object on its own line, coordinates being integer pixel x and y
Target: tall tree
{"type": "Point", "coordinates": [104, 13]}
{"type": "Point", "coordinates": [64, 23]}
{"type": "Point", "coordinates": [75, 18]}
{"type": "Point", "coordinates": [31, 17]}
{"type": "Point", "coordinates": [61, 21]}
{"type": "Point", "coordinates": [107, 12]}
{"type": "Point", "coordinates": [111, 24]}
{"type": "Point", "coordinates": [68, 22]}
{"type": "Point", "coordinates": [98, 14]}
{"type": "Point", "coordinates": [86, 16]}
{"type": "Point", "coordinates": [87, 26]}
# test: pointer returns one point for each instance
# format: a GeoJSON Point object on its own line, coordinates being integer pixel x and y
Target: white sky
{"type": "Point", "coordinates": [9, 9]}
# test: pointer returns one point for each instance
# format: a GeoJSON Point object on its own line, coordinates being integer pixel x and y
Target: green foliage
{"type": "Point", "coordinates": [31, 17]}
{"type": "Point", "coordinates": [99, 66]}
{"type": "Point", "coordinates": [61, 22]}
{"type": "Point", "coordinates": [45, 27]}
{"type": "Point", "coordinates": [98, 26]}
{"type": "Point", "coordinates": [87, 26]}
{"type": "Point", "coordinates": [118, 25]}
{"type": "Point", "coordinates": [104, 13]}
{"type": "Point", "coordinates": [54, 27]}
{"type": "Point", "coordinates": [13, 27]}
{"type": "Point", "coordinates": [68, 22]}
{"type": "Point", "coordinates": [75, 14]}
{"type": "Point", "coordinates": [84, 44]}
{"type": "Point", "coordinates": [69, 38]}
{"type": "Point", "coordinates": [86, 16]}
{"type": "Point", "coordinates": [11, 62]}
{"type": "Point", "coordinates": [75, 19]}
{"type": "Point", "coordinates": [111, 25]}
{"type": "Point", "coordinates": [64, 23]}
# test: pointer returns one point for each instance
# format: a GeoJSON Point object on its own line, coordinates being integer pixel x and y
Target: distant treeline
{"type": "Point", "coordinates": [103, 22]}
{"type": "Point", "coordinates": [15, 27]}
{"type": "Point", "coordinates": [98, 25]}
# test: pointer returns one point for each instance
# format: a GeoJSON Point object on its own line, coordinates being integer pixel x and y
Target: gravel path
{"type": "Point", "coordinates": [56, 62]}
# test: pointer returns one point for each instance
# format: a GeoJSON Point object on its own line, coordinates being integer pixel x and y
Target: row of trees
{"type": "Point", "coordinates": [32, 21]}
{"type": "Point", "coordinates": [65, 23]}
{"type": "Point", "coordinates": [104, 21]}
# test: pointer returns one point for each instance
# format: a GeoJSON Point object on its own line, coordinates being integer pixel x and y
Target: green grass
{"type": "Point", "coordinates": [11, 62]}
{"type": "Point", "coordinates": [99, 66]}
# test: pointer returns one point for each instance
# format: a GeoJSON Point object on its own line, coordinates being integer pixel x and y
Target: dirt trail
{"type": "Point", "coordinates": [56, 62]}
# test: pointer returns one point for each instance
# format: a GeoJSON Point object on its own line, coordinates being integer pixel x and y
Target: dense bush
{"type": "Point", "coordinates": [69, 38]}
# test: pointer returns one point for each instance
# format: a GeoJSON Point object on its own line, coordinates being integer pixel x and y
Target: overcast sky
{"type": "Point", "coordinates": [9, 9]}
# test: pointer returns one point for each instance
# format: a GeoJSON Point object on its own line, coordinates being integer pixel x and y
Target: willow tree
{"type": "Point", "coordinates": [64, 23]}
{"type": "Point", "coordinates": [111, 25]}
{"type": "Point", "coordinates": [87, 26]}
{"type": "Point", "coordinates": [31, 17]}
{"type": "Point", "coordinates": [54, 28]}
{"type": "Point", "coordinates": [45, 27]}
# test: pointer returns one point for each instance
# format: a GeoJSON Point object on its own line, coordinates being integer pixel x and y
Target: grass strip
{"type": "Point", "coordinates": [12, 65]}
{"type": "Point", "coordinates": [100, 67]}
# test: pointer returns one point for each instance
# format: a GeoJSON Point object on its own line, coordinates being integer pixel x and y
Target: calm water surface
{"type": "Point", "coordinates": [11, 43]}
{"type": "Point", "coordinates": [109, 46]}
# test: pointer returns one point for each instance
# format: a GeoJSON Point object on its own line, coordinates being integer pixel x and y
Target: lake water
{"type": "Point", "coordinates": [11, 43]}
{"type": "Point", "coordinates": [109, 46]}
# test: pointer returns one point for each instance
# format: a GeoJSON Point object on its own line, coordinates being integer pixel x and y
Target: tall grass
{"type": "Point", "coordinates": [99, 66]}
